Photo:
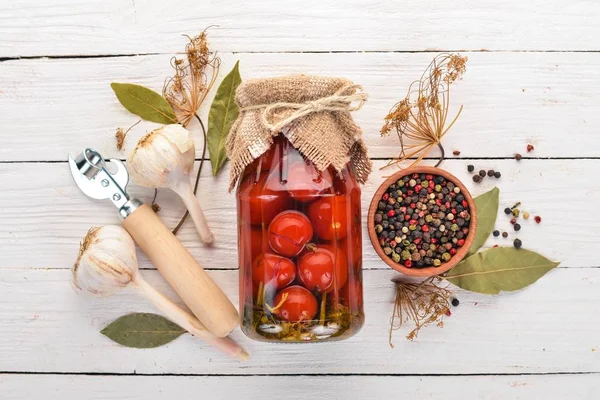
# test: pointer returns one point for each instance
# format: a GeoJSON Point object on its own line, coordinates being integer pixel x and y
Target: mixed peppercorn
{"type": "Point", "coordinates": [422, 220]}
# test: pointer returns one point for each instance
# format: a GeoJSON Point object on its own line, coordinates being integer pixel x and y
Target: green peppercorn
{"type": "Point", "coordinates": [400, 183]}
{"type": "Point", "coordinates": [404, 229]}
{"type": "Point", "coordinates": [412, 227]}
{"type": "Point", "coordinates": [437, 262]}
{"type": "Point", "coordinates": [525, 215]}
{"type": "Point", "coordinates": [425, 183]}
{"type": "Point", "coordinates": [378, 228]}
{"type": "Point", "coordinates": [397, 239]}
{"type": "Point", "coordinates": [405, 243]}
{"type": "Point", "coordinates": [446, 256]}
{"type": "Point", "coordinates": [387, 250]}
{"type": "Point", "coordinates": [428, 218]}
{"type": "Point", "coordinates": [396, 257]}
{"type": "Point", "coordinates": [454, 227]}
{"type": "Point", "coordinates": [517, 243]}
{"type": "Point", "coordinates": [412, 247]}
{"type": "Point", "coordinates": [437, 188]}
{"type": "Point", "coordinates": [516, 212]}
{"type": "Point", "coordinates": [412, 183]}
{"type": "Point", "coordinates": [405, 255]}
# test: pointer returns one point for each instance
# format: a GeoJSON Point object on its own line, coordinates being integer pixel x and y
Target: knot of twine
{"type": "Point", "coordinates": [336, 102]}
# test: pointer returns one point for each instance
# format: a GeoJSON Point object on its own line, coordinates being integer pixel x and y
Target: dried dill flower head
{"type": "Point", "coordinates": [421, 303]}
{"type": "Point", "coordinates": [420, 119]}
{"type": "Point", "coordinates": [194, 77]}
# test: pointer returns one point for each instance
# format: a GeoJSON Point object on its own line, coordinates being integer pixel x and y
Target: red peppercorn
{"type": "Point", "coordinates": [408, 263]}
{"type": "Point", "coordinates": [431, 184]}
{"type": "Point", "coordinates": [537, 219]}
{"type": "Point", "coordinates": [452, 251]}
{"type": "Point", "coordinates": [385, 196]}
{"type": "Point", "coordinates": [391, 213]}
{"type": "Point", "coordinates": [464, 203]}
{"type": "Point", "coordinates": [454, 211]}
{"type": "Point", "coordinates": [421, 214]}
{"type": "Point", "coordinates": [465, 230]}
{"type": "Point", "coordinates": [410, 192]}
{"type": "Point", "coordinates": [438, 202]}
{"type": "Point", "coordinates": [415, 176]}
{"type": "Point", "coordinates": [460, 243]}
{"type": "Point", "coordinates": [433, 240]}
{"type": "Point", "coordinates": [413, 222]}
{"type": "Point", "coordinates": [418, 188]}
{"type": "Point", "coordinates": [447, 204]}
{"type": "Point", "coordinates": [413, 205]}
{"type": "Point", "coordinates": [429, 177]}
{"type": "Point", "coordinates": [495, 245]}
{"type": "Point", "coordinates": [448, 313]}
{"type": "Point", "coordinates": [530, 148]}
{"type": "Point", "coordinates": [513, 221]}
{"type": "Point", "coordinates": [406, 217]}
{"type": "Point", "coordinates": [425, 228]}
{"type": "Point", "coordinates": [417, 240]}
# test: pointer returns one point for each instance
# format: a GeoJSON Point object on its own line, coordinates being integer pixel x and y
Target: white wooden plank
{"type": "Point", "coordinates": [546, 328]}
{"type": "Point", "coordinates": [43, 209]}
{"type": "Point", "coordinates": [59, 27]}
{"type": "Point", "coordinates": [51, 107]}
{"type": "Point", "coordinates": [33, 387]}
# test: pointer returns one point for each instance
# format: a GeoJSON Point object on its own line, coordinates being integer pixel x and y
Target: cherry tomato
{"type": "Point", "coordinates": [258, 203]}
{"type": "Point", "coordinates": [274, 269]}
{"type": "Point", "coordinates": [305, 182]}
{"type": "Point", "coordinates": [299, 304]}
{"type": "Point", "coordinates": [289, 232]}
{"type": "Point", "coordinates": [316, 269]}
{"type": "Point", "coordinates": [352, 295]}
{"type": "Point", "coordinates": [341, 264]}
{"type": "Point", "coordinates": [329, 216]}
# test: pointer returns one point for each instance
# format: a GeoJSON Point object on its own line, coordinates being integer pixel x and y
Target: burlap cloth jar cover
{"type": "Point", "coordinates": [313, 113]}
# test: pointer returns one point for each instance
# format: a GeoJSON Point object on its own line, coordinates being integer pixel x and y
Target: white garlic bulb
{"type": "Point", "coordinates": [107, 263]}
{"type": "Point", "coordinates": [165, 158]}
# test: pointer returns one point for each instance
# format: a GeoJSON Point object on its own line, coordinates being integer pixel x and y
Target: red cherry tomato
{"type": "Point", "coordinates": [316, 269]}
{"type": "Point", "coordinates": [341, 264]}
{"type": "Point", "coordinates": [289, 232]}
{"type": "Point", "coordinates": [305, 182]}
{"type": "Point", "coordinates": [273, 269]}
{"type": "Point", "coordinates": [329, 216]}
{"type": "Point", "coordinates": [295, 304]}
{"type": "Point", "coordinates": [258, 203]}
{"type": "Point", "coordinates": [352, 295]}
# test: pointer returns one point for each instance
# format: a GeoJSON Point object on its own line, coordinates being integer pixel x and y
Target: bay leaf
{"type": "Point", "coordinates": [223, 112]}
{"type": "Point", "coordinates": [500, 269]}
{"type": "Point", "coordinates": [144, 102]}
{"type": "Point", "coordinates": [142, 330]}
{"type": "Point", "coordinates": [486, 207]}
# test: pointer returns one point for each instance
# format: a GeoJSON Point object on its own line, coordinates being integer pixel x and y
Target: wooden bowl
{"type": "Point", "coordinates": [428, 271]}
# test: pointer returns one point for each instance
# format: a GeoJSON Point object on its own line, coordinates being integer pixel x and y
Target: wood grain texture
{"type": "Point", "coordinates": [43, 209]}
{"type": "Point", "coordinates": [34, 387]}
{"type": "Point", "coordinates": [546, 328]}
{"type": "Point", "coordinates": [60, 27]}
{"type": "Point", "coordinates": [52, 107]}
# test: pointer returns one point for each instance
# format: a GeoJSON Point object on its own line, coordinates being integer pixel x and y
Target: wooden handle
{"type": "Point", "coordinates": [204, 298]}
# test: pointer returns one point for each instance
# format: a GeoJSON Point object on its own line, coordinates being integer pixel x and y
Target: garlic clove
{"type": "Point", "coordinates": [159, 153]}
{"type": "Point", "coordinates": [106, 262]}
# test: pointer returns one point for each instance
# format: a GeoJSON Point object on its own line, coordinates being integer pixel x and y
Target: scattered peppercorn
{"type": "Point", "coordinates": [497, 175]}
{"type": "Point", "coordinates": [491, 173]}
{"type": "Point", "coordinates": [518, 157]}
{"type": "Point", "coordinates": [505, 234]}
{"type": "Point", "coordinates": [513, 221]}
{"type": "Point", "coordinates": [517, 243]}
{"type": "Point", "coordinates": [455, 302]}
{"type": "Point", "coordinates": [517, 227]}
{"type": "Point", "coordinates": [507, 211]}
{"type": "Point", "coordinates": [496, 233]}
{"type": "Point", "coordinates": [525, 215]}
{"type": "Point", "coordinates": [495, 246]}
{"type": "Point", "coordinates": [516, 205]}
{"type": "Point", "coordinates": [448, 313]}
{"type": "Point", "coordinates": [537, 219]}
{"type": "Point", "coordinates": [482, 173]}
{"type": "Point", "coordinates": [530, 148]}
{"type": "Point", "coordinates": [516, 212]}
{"type": "Point", "coordinates": [456, 152]}
{"type": "Point", "coordinates": [470, 168]}
{"type": "Point", "coordinates": [476, 178]}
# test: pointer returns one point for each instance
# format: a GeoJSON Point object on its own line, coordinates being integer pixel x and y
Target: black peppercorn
{"type": "Point", "coordinates": [470, 168]}
{"type": "Point", "coordinates": [455, 302]}
{"type": "Point", "coordinates": [497, 174]}
{"type": "Point", "coordinates": [517, 243]}
{"type": "Point", "coordinates": [496, 233]}
{"type": "Point", "coordinates": [517, 227]}
{"type": "Point", "coordinates": [482, 173]}
{"type": "Point", "coordinates": [507, 211]}
{"type": "Point", "coordinates": [476, 178]}
{"type": "Point", "coordinates": [491, 173]}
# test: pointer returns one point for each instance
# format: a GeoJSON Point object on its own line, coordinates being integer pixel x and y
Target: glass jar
{"type": "Point", "coordinates": [300, 249]}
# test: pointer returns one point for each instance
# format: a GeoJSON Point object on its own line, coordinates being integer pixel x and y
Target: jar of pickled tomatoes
{"type": "Point", "coordinates": [299, 231]}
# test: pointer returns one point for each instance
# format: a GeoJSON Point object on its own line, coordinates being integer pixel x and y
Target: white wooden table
{"type": "Point", "coordinates": [533, 75]}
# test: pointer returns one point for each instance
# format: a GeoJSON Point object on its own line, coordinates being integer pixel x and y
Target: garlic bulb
{"type": "Point", "coordinates": [165, 158]}
{"type": "Point", "coordinates": [107, 262]}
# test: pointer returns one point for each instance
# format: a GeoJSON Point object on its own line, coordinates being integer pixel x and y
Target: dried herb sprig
{"type": "Point", "coordinates": [420, 119]}
{"type": "Point", "coordinates": [420, 302]}
{"type": "Point", "coordinates": [194, 77]}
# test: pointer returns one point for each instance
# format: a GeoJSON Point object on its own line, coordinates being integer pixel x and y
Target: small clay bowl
{"type": "Point", "coordinates": [427, 271]}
